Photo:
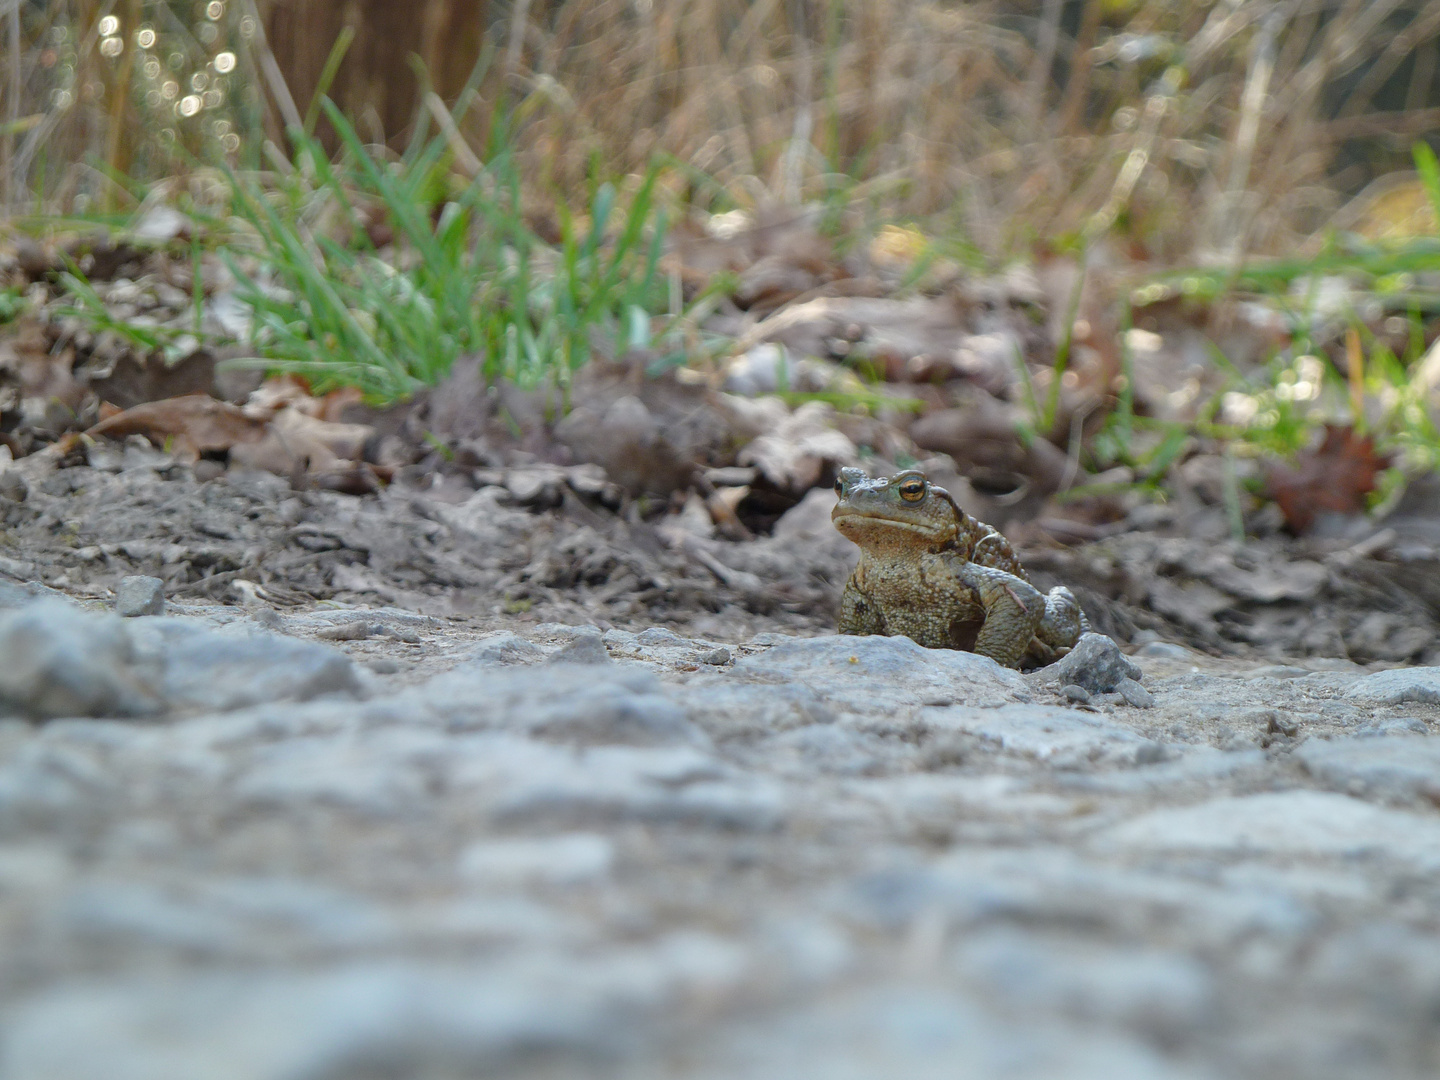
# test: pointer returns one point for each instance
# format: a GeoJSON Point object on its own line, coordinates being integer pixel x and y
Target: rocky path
{"type": "Point", "coordinates": [332, 843]}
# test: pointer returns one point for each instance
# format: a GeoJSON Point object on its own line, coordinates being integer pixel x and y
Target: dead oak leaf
{"type": "Point", "coordinates": [188, 426]}
{"type": "Point", "coordinates": [1337, 476]}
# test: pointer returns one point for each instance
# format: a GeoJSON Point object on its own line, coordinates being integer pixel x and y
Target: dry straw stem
{"type": "Point", "coordinates": [1009, 119]}
{"type": "Point", "coordinates": [948, 98]}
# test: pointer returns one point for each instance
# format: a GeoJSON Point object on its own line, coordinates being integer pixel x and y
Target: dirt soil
{"type": "Point", "coordinates": [248, 538]}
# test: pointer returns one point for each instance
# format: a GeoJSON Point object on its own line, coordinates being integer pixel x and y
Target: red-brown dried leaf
{"type": "Point", "coordinates": [1335, 477]}
{"type": "Point", "coordinates": [189, 425]}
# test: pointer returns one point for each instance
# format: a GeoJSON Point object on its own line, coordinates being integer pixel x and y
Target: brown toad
{"type": "Point", "coordinates": [931, 572]}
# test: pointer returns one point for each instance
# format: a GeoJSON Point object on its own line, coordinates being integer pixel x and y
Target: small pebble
{"type": "Point", "coordinates": [659, 635]}
{"type": "Point", "coordinates": [138, 595]}
{"type": "Point", "coordinates": [354, 630]}
{"type": "Point", "coordinates": [1151, 753]}
{"type": "Point", "coordinates": [1135, 695]}
{"type": "Point", "coordinates": [205, 469]}
{"type": "Point", "coordinates": [715, 656]}
{"type": "Point", "coordinates": [1077, 694]}
{"type": "Point", "coordinates": [582, 649]}
{"type": "Point", "coordinates": [384, 666]}
{"type": "Point", "coordinates": [1280, 724]}
{"type": "Point", "coordinates": [1097, 664]}
{"type": "Point", "coordinates": [13, 486]}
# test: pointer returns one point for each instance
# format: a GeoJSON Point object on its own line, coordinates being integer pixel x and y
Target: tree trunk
{"type": "Point", "coordinates": [375, 85]}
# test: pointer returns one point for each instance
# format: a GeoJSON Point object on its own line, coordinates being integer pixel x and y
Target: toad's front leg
{"type": "Point", "coordinates": [858, 614]}
{"type": "Point", "coordinates": [1013, 610]}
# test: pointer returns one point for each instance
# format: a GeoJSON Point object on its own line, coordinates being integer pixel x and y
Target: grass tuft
{"type": "Point", "coordinates": [465, 274]}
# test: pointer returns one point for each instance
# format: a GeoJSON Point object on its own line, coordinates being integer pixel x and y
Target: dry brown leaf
{"type": "Point", "coordinates": [794, 455]}
{"type": "Point", "coordinates": [295, 443]}
{"type": "Point", "coordinates": [187, 426]}
{"type": "Point", "coordinates": [290, 391]}
{"type": "Point", "coordinates": [1335, 477]}
{"type": "Point", "coordinates": [38, 373]}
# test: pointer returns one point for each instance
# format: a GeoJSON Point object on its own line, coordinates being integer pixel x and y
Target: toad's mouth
{"type": "Point", "coordinates": [860, 519]}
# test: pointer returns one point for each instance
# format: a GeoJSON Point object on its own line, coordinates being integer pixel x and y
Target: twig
{"type": "Point", "coordinates": [795, 152]}
{"type": "Point", "coordinates": [1077, 90]}
{"type": "Point", "coordinates": [1044, 61]}
{"type": "Point", "coordinates": [14, 104]}
{"type": "Point", "coordinates": [518, 20]}
{"type": "Point", "coordinates": [464, 156]}
{"type": "Point", "coordinates": [1229, 234]}
{"type": "Point", "coordinates": [270, 68]}
{"type": "Point", "coordinates": [20, 166]}
{"type": "Point", "coordinates": [229, 575]}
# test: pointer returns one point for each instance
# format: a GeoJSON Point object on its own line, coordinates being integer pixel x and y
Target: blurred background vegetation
{"type": "Point", "coordinates": [361, 191]}
{"type": "Point", "coordinates": [1195, 130]}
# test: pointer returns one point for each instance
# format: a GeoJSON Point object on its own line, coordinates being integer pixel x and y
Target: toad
{"type": "Point", "coordinates": [931, 572]}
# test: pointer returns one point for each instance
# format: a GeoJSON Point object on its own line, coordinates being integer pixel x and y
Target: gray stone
{"type": "Point", "coordinates": [727, 708]}
{"type": "Point", "coordinates": [567, 631]}
{"type": "Point", "coordinates": [1062, 738]}
{"type": "Point", "coordinates": [877, 674]}
{"type": "Point", "coordinates": [62, 661]}
{"type": "Point", "coordinates": [1277, 671]}
{"type": "Point", "coordinates": [225, 917]}
{"type": "Point", "coordinates": [718, 657]}
{"type": "Point", "coordinates": [1151, 753]}
{"type": "Point", "coordinates": [582, 649]}
{"type": "Point", "coordinates": [830, 748]}
{"type": "Point", "coordinates": [1290, 823]}
{"type": "Point", "coordinates": [519, 780]}
{"type": "Point", "coordinates": [1402, 767]}
{"type": "Point", "coordinates": [620, 639]}
{"type": "Point", "coordinates": [659, 635]}
{"type": "Point", "coordinates": [44, 783]}
{"type": "Point", "coordinates": [1135, 695]}
{"type": "Point", "coordinates": [13, 486]}
{"type": "Point", "coordinates": [572, 703]}
{"type": "Point", "coordinates": [1058, 887]}
{"type": "Point", "coordinates": [355, 1019]}
{"type": "Point", "coordinates": [223, 670]}
{"type": "Point", "coordinates": [505, 647]}
{"type": "Point", "coordinates": [614, 714]}
{"type": "Point", "coordinates": [1404, 725]}
{"type": "Point", "coordinates": [18, 594]}
{"type": "Point", "coordinates": [1077, 694]}
{"type": "Point", "coordinates": [1278, 723]}
{"type": "Point", "coordinates": [1159, 993]}
{"type": "Point", "coordinates": [1398, 687]}
{"type": "Point", "coordinates": [350, 630]}
{"type": "Point", "coordinates": [139, 595]}
{"type": "Point", "coordinates": [567, 859]}
{"type": "Point", "coordinates": [379, 774]}
{"type": "Point", "coordinates": [920, 1031]}
{"type": "Point", "coordinates": [1096, 663]}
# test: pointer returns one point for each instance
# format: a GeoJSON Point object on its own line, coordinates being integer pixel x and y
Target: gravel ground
{"type": "Point", "coordinates": [318, 842]}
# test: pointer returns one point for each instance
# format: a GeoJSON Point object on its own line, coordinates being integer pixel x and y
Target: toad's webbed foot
{"type": "Point", "coordinates": [1013, 611]}
{"type": "Point", "coordinates": [1063, 622]}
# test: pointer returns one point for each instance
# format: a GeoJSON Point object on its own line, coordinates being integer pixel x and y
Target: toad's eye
{"type": "Point", "coordinates": [839, 486]}
{"type": "Point", "coordinates": [912, 490]}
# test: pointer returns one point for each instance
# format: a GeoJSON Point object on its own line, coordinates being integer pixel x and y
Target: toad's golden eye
{"type": "Point", "coordinates": [912, 490]}
{"type": "Point", "coordinates": [839, 486]}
